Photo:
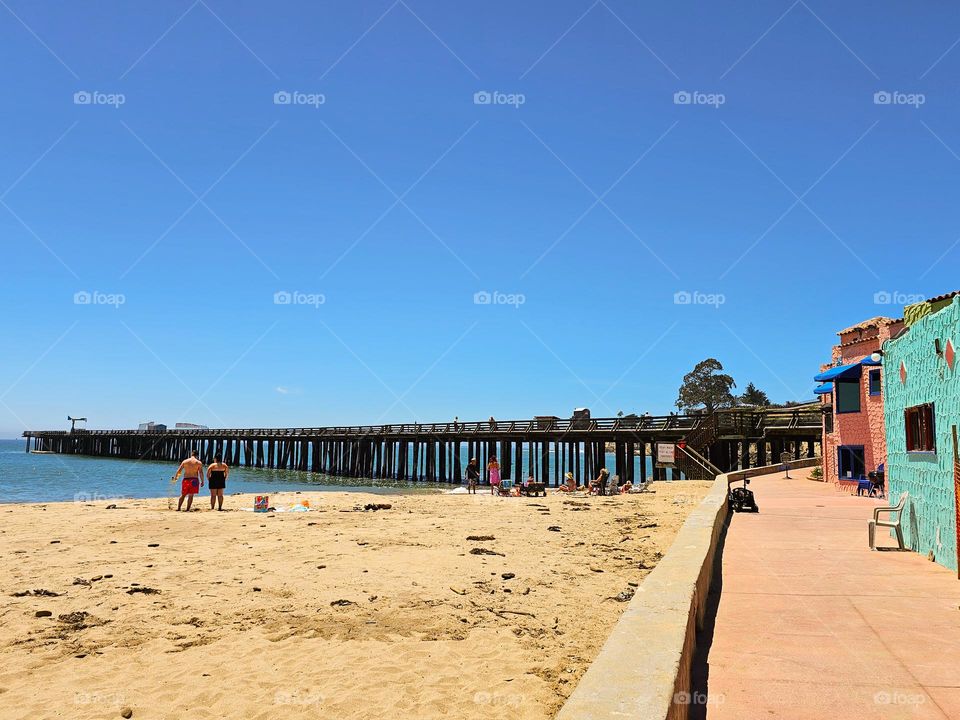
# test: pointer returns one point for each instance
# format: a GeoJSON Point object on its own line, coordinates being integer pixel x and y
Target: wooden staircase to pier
{"type": "Point", "coordinates": [695, 466]}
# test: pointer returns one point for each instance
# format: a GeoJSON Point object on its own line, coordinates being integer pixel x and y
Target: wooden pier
{"type": "Point", "coordinates": [547, 448]}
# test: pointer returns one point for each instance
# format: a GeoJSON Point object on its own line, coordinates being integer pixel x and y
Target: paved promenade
{"type": "Point", "coordinates": [812, 624]}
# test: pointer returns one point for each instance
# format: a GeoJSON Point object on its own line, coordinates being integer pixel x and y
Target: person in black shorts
{"type": "Point", "coordinates": [217, 478]}
{"type": "Point", "coordinates": [473, 476]}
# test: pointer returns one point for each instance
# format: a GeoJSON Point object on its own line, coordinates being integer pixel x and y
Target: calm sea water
{"type": "Point", "coordinates": [28, 477]}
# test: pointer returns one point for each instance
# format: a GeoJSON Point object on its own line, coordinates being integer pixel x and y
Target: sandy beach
{"type": "Point", "coordinates": [339, 612]}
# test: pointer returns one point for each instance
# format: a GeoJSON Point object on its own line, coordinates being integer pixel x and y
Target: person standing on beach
{"type": "Point", "coordinates": [217, 480]}
{"type": "Point", "coordinates": [192, 470]}
{"type": "Point", "coordinates": [493, 469]}
{"type": "Point", "coordinates": [473, 476]}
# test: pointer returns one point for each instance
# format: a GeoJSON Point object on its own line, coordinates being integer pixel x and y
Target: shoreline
{"type": "Point", "coordinates": [204, 495]}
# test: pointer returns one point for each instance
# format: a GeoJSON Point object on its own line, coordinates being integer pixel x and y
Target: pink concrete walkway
{"type": "Point", "coordinates": [812, 624]}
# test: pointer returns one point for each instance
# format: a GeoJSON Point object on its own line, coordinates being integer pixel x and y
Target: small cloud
{"type": "Point", "coordinates": [282, 390]}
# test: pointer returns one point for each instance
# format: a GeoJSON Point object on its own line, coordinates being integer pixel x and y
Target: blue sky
{"type": "Point", "coordinates": [182, 193]}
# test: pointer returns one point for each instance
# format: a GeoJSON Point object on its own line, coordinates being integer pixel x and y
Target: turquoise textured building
{"type": "Point", "coordinates": [922, 415]}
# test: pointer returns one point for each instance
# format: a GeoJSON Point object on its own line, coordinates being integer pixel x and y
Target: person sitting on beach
{"type": "Point", "coordinates": [473, 476]}
{"type": "Point", "coordinates": [626, 487]}
{"type": "Point", "coordinates": [192, 470]}
{"type": "Point", "coordinates": [217, 476]}
{"type": "Point", "coordinates": [493, 469]}
{"type": "Point", "coordinates": [601, 482]}
{"type": "Point", "coordinates": [529, 481]}
{"type": "Point", "coordinates": [613, 485]}
{"type": "Point", "coordinates": [569, 485]}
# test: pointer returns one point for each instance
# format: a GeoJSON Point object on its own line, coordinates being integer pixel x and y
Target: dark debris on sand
{"type": "Point", "coordinates": [625, 596]}
{"type": "Point", "coordinates": [80, 620]}
{"type": "Point", "coordinates": [484, 551]}
{"type": "Point", "coordinates": [40, 592]}
{"type": "Point", "coordinates": [143, 589]}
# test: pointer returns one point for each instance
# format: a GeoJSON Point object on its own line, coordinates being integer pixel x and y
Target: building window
{"type": "Point", "coordinates": [828, 420]}
{"type": "Point", "coordinates": [875, 382]}
{"type": "Point", "coordinates": [848, 395]}
{"type": "Point", "coordinates": [850, 462]}
{"type": "Point", "coordinates": [920, 428]}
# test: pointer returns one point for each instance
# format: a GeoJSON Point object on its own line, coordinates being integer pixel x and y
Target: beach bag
{"type": "Point", "coordinates": [261, 503]}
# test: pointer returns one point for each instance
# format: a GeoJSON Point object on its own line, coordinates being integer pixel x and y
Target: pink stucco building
{"type": "Point", "coordinates": [854, 439]}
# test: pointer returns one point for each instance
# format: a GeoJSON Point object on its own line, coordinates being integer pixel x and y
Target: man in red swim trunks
{"type": "Point", "coordinates": [192, 470]}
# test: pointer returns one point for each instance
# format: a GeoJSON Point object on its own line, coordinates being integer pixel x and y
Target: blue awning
{"type": "Point", "coordinates": [824, 389]}
{"type": "Point", "coordinates": [870, 361]}
{"type": "Point", "coordinates": [841, 371]}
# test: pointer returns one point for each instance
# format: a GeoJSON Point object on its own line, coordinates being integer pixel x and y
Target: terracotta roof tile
{"type": "Point", "coordinates": [871, 323]}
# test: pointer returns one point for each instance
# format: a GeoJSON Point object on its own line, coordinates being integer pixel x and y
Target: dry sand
{"type": "Point", "coordinates": [335, 613]}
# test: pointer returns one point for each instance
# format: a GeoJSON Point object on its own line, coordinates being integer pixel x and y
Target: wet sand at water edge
{"type": "Point", "coordinates": [438, 606]}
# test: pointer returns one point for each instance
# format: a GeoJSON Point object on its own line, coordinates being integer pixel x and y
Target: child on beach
{"type": "Point", "coordinates": [493, 469]}
{"type": "Point", "coordinates": [473, 476]}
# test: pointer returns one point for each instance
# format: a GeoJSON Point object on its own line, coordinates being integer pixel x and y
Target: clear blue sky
{"type": "Point", "coordinates": [797, 198]}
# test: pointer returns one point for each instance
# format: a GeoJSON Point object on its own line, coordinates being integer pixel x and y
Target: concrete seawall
{"type": "Point", "coordinates": [646, 662]}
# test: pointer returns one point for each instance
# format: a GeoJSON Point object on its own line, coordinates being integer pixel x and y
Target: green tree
{"type": "Point", "coordinates": [752, 395]}
{"type": "Point", "coordinates": [706, 387]}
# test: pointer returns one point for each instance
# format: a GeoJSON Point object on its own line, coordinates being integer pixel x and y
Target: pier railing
{"type": "Point", "coordinates": [750, 423]}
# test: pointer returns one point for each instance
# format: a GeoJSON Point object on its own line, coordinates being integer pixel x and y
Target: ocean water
{"type": "Point", "coordinates": [30, 477]}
